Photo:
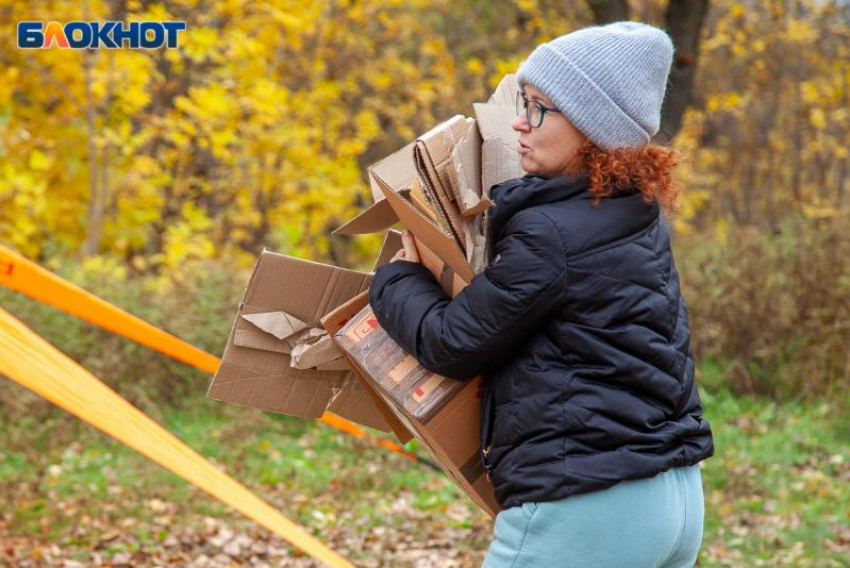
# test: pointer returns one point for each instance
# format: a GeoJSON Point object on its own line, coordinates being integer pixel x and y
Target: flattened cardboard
{"type": "Point", "coordinates": [333, 322]}
{"type": "Point", "coordinates": [432, 157]}
{"type": "Point", "coordinates": [252, 375]}
{"type": "Point", "coordinates": [499, 157]}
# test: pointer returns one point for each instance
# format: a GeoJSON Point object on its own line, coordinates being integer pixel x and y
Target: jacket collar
{"type": "Point", "coordinates": [626, 213]}
{"type": "Point", "coordinates": [530, 190]}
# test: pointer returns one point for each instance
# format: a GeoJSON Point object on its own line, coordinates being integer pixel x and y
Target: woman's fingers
{"type": "Point", "coordinates": [410, 251]}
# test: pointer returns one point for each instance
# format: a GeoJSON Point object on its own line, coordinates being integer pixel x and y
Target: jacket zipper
{"type": "Point", "coordinates": [486, 431]}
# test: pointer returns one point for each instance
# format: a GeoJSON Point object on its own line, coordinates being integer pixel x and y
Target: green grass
{"type": "Point", "coordinates": [776, 489]}
{"type": "Point", "coordinates": [312, 473]}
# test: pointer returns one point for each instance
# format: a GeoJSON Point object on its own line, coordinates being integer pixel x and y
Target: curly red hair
{"type": "Point", "coordinates": [647, 168]}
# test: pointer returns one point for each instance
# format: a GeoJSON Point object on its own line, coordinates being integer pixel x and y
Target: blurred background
{"type": "Point", "coordinates": [153, 178]}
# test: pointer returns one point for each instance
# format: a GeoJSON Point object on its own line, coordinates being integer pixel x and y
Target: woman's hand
{"type": "Point", "coordinates": [409, 252]}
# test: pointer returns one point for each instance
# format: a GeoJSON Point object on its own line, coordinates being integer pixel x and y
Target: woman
{"type": "Point", "coordinates": [591, 424]}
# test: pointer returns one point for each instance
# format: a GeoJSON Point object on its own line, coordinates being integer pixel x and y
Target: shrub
{"type": "Point", "coordinates": [196, 303]}
{"type": "Point", "coordinates": [775, 308]}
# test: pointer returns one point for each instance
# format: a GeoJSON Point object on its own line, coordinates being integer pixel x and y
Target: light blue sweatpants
{"type": "Point", "coordinates": [645, 523]}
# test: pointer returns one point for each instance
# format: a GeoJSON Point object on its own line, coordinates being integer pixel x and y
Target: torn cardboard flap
{"type": "Point", "coordinates": [465, 173]}
{"type": "Point", "coordinates": [279, 324]}
{"type": "Point", "coordinates": [397, 170]}
{"type": "Point", "coordinates": [250, 336]}
{"type": "Point", "coordinates": [466, 177]}
{"type": "Point", "coordinates": [255, 371]}
{"type": "Point", "coordinates": [476, 243]}
{"type": "Point", "coordinates": [309, 347]}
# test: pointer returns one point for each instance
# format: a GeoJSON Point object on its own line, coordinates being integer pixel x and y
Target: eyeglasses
{"type": "Point", "coordinates": [534, 111]}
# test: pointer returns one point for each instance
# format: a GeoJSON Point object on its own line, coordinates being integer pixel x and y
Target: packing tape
{"type": "Point", "coordinates": [31, 361]}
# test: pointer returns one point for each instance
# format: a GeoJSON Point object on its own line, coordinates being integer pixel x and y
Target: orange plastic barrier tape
{"type": "Point", "coordinates": [24, 276]}
{"type": "Point", "coordinates": [33, 362]}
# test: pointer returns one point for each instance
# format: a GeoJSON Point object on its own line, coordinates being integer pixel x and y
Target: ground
{"type": "Point", "coordinates": [777, 493]}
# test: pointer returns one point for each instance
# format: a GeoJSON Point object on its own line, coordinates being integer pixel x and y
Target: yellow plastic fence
{"type": "Point", "coordinates": [22, 275]}
{"type": "Point", "coordinates": [31, 361]}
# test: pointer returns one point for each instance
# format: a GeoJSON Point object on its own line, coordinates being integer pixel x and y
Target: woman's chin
{"type": "Point", "coordinates": [527, 165]}
{"type": "Point", "coordinates": [530, 167]}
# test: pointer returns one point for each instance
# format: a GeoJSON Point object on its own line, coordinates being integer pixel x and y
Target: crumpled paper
{"type": "Point", "coordinates": [309, 347]}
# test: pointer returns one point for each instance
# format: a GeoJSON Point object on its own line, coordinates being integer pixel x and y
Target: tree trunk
{"type": "Point", "coordinates": [605, 11]}
{"type": "Point", "coordinates": [683, 20]}
{"type": "Point", "coordinates": [770, 195]}
{"type": "Point", "coordinates": [95, 207]}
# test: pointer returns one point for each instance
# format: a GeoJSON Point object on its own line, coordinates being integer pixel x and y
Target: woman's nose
{"type": "Point", "coordinates": [520, 124]}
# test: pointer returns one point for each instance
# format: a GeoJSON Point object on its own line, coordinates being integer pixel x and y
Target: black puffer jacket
{"type": "Point", "coordinates": [580, 332]}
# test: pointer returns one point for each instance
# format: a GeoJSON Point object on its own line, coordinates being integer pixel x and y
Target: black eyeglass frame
{"type": "Point", "coordinates": [526, 105]}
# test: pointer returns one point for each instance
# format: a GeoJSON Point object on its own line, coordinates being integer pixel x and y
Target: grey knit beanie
{"type": "Point", "coordinates": [608, 80]}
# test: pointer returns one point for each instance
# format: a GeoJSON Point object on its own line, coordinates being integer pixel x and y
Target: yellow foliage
{"type": "Point", "coordinates": [721, 230]}
{"type": "Point", "coordinates": [39, 161]}
{"type": "Point", "coordinates": [818, 118]}
{"type": "Point", "coordinates": [255, 131]}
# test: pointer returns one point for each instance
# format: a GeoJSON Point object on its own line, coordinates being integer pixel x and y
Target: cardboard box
{"type": "Point", "coordinates": [399, 169]}
{"type": "Point", "coordinates": [335, 321]}
{"type": "Point", "coordinates": [456, 164]}
{"type": "Point", "coordinates": [435, 242]}
{"type": "Point", "coordinates": [256, 367]}
{"type": "Point", "coordinates": [443, 413]}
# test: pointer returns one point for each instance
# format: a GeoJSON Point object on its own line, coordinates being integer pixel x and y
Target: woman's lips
{"type": "Point", "coordinates": [523, 149]}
